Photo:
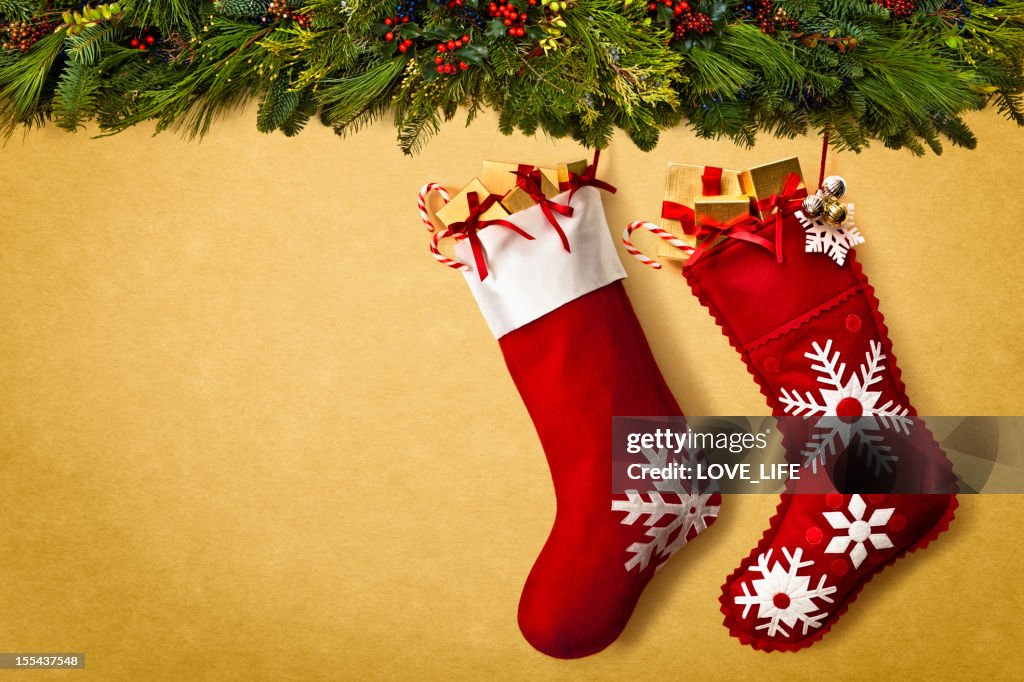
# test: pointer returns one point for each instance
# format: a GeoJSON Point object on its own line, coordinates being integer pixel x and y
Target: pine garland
{"type": "Point", "coordinates": [902, 72]}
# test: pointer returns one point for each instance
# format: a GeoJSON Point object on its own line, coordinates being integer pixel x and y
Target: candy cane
{"type": "Point", "coordinates": [654, 229]}
{"type": "Point", "coordinates": [440, 257]}
{"type": "Point", "coordinates": [421, 202]}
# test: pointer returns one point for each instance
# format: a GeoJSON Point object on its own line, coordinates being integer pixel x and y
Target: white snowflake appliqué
{"type": "Point", "coordinates": [848, 409]}
{"type": "Point", "coordinates": [689, 513]}
{"type": "Point", "coordinates": [858, 530]}
{"type": "Point", "coordinates": [832, 240]}
{"type": "Point", "coordinates": [783, 596]}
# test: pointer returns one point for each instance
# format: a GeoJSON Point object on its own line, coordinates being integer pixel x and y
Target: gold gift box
{"type": "Point", "coordinates": [763, 181]}
{"type": "Point", "coordinates": [684, 185]}
{"type": "Point", "coordinates": [559, 175]}
{"type": "Point", "coordinates": [498, 177]}
{"type": "Point", "coordinates": [721, 209]}
{"type": "Point", "coordinates": [457, 209]}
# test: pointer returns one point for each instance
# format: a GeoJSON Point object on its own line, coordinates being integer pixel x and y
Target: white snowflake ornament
{"type": "Point", "coordinates": [847, 408]}
{"type": "Point", "coordinates": [858, 530]}
{"type": "Point", "coordinates": [690, 513]}
{"type": "Point", "coordinates": [832, 240]}
{"type": "Point", "coordinates": [783, 597]}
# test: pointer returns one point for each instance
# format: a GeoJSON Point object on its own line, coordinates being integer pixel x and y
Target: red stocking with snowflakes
{"type": "Point", "coordinates": [578, 356]}
{"type": "Point", "coordinates": [807, 324]}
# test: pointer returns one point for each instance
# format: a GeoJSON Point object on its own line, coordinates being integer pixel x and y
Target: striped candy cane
{"type": "Point", "coordinates": [440, 257]}
{"type": "Point", "coordinates": [421, 202]}
{"type": "Point", "coordinates": [654, 229]}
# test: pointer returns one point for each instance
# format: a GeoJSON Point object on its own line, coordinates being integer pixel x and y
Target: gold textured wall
{"type": "Point", "coordinates": [249, 428]}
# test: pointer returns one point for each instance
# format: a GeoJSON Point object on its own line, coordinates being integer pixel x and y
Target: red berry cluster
{"type": "Point", "coordinates": [279, 9]}
{"type": "Point", "coordinates": [446, 61]}
{"type": "Point", "coordinates": [510, 16]}
{"type": "Point", "coordinates": [395, 32]}
{"type": "Point", "coordinates": [770, 20]}
{"type": "Point", "coordinates": [685, 20]}
{"type": "Point", "coordinates": [21, 35]}
{"type": "Point", "coordinates": [691, 22]}
{"type": "Point", "coordinates": [901, 9]}
{"type": "Point", "coordinates": [677, 7]}
{"type": "Point", "coordinates": [144, 40]}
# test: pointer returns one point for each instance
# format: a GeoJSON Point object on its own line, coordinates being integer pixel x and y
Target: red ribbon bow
{"type": "Point", "coordinates": [472, 225]}
{"type": "Point", "coordinates": [785, 203]}
{"type": "Point", "coordinates": [529, 179]}
{"type": "Point", "coordinates": [684, 214]}
{"type": "Point", "coordinates": [777, 206]}
{"type": "Point", "coordinates": [741, 227]}
{"type": "Point", "coordinates": [589, 177]}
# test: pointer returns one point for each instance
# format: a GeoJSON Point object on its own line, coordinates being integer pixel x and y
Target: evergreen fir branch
{"type": "Point", "coordinates": [277, 106]}
{"type": "Point", "coordinates": [22, 84]}
{"type": "Point", "coordinates": [86, 47]}
{"type": "Point", "coordinates": [18, 10]}
{"type": "Point", "coordinates": [304, 111]}
{"type": "Point", "coordinates": [346, 98]}
{"type": "Point", "coordinates": [74, 100]}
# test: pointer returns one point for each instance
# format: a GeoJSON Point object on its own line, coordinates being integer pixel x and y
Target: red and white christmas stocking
{"type": "Point", "coordinates": [807, 324]}
{"type": "Point", "coordinates": [578, 357]}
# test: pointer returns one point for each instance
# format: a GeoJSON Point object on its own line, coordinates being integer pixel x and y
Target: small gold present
{"type": "Point", "coordinates": [559, 175]}
{"type": "Point", "coordinates": [721, 209]}
{"type": "Point", "coordinates": [500, 178]}
{"type": "Point", "coordinates": [457, 209]}
{"type": "Point", "coordinates": [761, 182]}
{"type": "Point", "coordinates": [684, 184]}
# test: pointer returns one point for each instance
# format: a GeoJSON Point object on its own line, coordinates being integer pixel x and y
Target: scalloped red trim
{"type": "Point", "coordinates": [769, 534]}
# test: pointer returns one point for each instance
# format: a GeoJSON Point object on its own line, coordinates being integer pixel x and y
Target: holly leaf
{"type": "Point", "coordinates": [495, 29]}
{"type": "Point", "coordinates": [472, 54]}
{"type": "Point", "coordinates": [717, 11]}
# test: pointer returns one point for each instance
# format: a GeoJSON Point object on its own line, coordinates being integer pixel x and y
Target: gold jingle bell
{"type": "Point", "coordinates": [835, 213]}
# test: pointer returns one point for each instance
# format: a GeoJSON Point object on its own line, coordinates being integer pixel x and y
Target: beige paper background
{"type": "Point", "coordinates": [250, 430]}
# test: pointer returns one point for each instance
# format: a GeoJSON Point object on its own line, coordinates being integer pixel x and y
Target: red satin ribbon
{"type": "Point", "coordinates": [777, 206]}
{"type": "Point", "coordinates": [524, 170]}
{"type": "Point", "coordinates": [529, 178]}
{"type": "Point", "coordinates": [472, 225]}
{"type": "Point", "coordinates": [785, 203]}
{"type": "Point", "coordinates": [711, 181]}
{"type": "Point", "coordinates": [684, 214]}
{"type": "Point", "coordinates": [589, 177]}
{"type": "Point", "coordinates": [740, 227]}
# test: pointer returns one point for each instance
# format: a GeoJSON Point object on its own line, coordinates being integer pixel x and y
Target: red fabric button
{"type": "Point", "coordinates": [771, 365]}
{"type": "Point", "coordinates": [849, 410]}
{"type": "Point", "coordinates": [834, 500]}
{"type": "Point", "coordinates": [897, 522]}
{"type": "Point", "coordinates": [781, 600]}
{"type": "Point", "coordinates": [840, 567]}
{"type": "Point", "coordinates": [876, 498]}
{"type": "Point", "coordinates": [814, 535]}
{"type": "Point", "coordinates": [853, 323]}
